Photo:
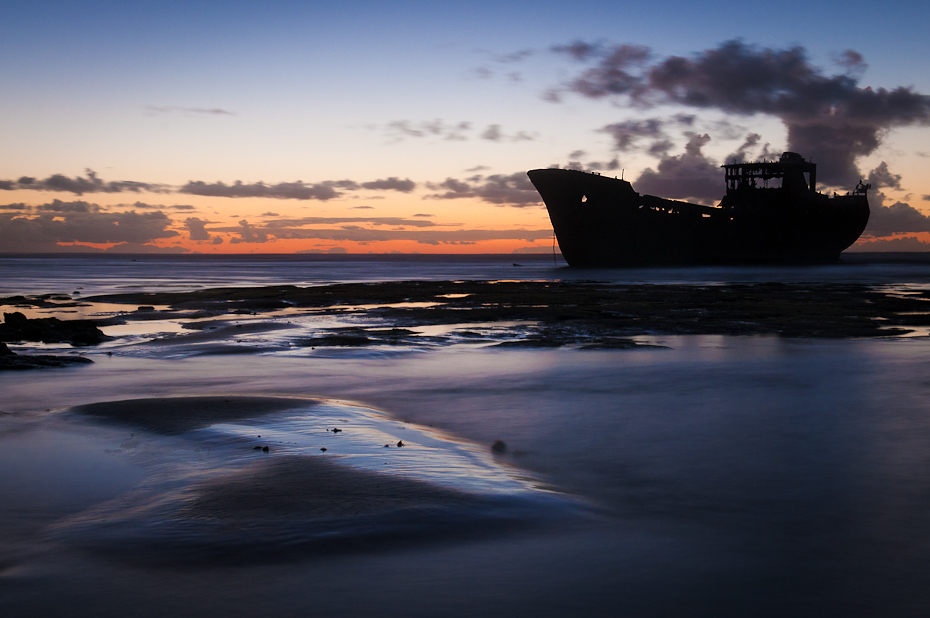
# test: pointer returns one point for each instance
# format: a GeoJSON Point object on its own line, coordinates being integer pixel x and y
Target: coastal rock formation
{"type": "Point", "coordinates": [17, 327]}
{"type": "Point", "coordinates": [9, 360]}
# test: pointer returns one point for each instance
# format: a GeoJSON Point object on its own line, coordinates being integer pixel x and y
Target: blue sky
{"type": "Point", "coordinates": [168, 93]}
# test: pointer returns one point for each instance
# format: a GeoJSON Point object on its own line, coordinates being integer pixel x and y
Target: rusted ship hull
{"type": "Point", "coordinates": [602, 222]}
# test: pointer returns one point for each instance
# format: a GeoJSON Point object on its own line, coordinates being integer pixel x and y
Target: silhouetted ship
{"type": "Point", "coordinates": [771, 213]}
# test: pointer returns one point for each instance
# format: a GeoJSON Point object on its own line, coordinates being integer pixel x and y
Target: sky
{"type": "Point", "coordinates": [368, 127]}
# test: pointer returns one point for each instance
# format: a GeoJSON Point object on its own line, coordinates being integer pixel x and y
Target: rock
{"type": "Point", "coordinates": [16, 327]}
{"type": "Point", "coordinates": [400, 443]}
{"type": "Point", "coordinates": [499, 447]}
{"type": "Point", "coordinates": [265, 449]}
{"type": "Point", "coordinates": [145, 309]}
{"type": "Point", "coordinates": [10, 361]}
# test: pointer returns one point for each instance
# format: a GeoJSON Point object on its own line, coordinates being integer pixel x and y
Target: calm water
{"type": "Point", "coordinates": [90, 274]}
{"type": "Point", "coordinates": [723, 476]}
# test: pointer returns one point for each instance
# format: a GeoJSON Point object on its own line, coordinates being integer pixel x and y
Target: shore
{"type": "Point", "coordinates": [668, 450]}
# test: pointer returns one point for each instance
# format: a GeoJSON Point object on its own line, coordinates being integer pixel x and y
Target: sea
{"type": "Point", "coordinates": [711, 476]}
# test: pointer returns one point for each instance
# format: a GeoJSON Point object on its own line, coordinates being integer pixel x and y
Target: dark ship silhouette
{"type": "Point", "coordinates": [771, 213]}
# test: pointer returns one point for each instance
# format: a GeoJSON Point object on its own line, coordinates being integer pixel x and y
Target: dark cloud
{"type": "Point", "coordinates": [579, 50]}
{"type": "Point", "coordinates": [423, 214]}
{"type": "Point", "coordinates": [61, 222]}
{"type": "Point", "coordinates": [79, 185]}
{"type": "Point", "coordinates": [851, 59]}
{"type": "Point", "coordinates": [153, 110]}
{"type": "Point", "coordinates": [17, 206]}
{"type": "Point", "coordinates": [607, 166]}
{"type": "Point", "coordinates": [195, 227]}
{"type": "Point", "coordinates": [400, 129]}
{"type": "Point", "coordinates": [391, 184]}
{"type": "Point", "coordinates": [394, 221]}
{"type": "Point", "coordinates": [900, 243]}
{"type": "Point", "coordinates": [881, 177]}
{"type": "Point", "coordinates": [690, 175]}
{"type": "Point", "coordinates": [742, 153]}
{"type": "Point", "coordinates": [492, 133]}
{"type": "Point", "coordinates": [895, 219]}
{"type": "Point", "coordinates": [283, 190]}
{"type": "Point", "coordinates": [247, 233]}
{"type": "Point", "coordinates": [830, 119]}
{"type": "Point", "coordinates": [628, 132]}
{"type": "Point", "coordinates": [618, 72]}
{"type": "Point", "coordinates": [505, 190]}
{"type": "Point", "coordinates": [59, 206]}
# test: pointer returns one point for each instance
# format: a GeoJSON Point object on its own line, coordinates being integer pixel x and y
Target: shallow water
{"type": "Point", "coordinates": [720, 475]}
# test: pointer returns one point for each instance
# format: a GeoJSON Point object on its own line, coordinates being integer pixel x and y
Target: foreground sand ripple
{"type": "Point", "coordinates": [214, 497]}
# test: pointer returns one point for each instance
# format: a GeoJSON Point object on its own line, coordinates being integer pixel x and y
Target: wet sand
{"type": "Point", "coordinates": [693, 472]}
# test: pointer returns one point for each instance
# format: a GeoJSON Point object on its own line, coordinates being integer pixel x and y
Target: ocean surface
{"type": "Point", "coordinates": [717, 476]}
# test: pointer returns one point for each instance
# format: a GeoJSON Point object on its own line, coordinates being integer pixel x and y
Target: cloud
{"type": "Point", "coordinates": [400, 129]}
{"type": "Point", "coordinates": [628, 132]}
{"type": "Point", "coordinates": [153, 110]}
{"type": "Point", "coordinates": [616, 72]}
{"type": "Point", "coordinates": [195, 227]}
{"type": "Point", "coordinates": [579, 50]}
{"type": "Point", "coordinates": [895, 219]}
{"type": "Point", "coordinates": [881, 177]}
{"type": "Point", "coordinates": [299, 190]}
{"type": "Point", "coordinates": [899, 243]}
{"type": "Point", "coordinates": [829, 118]}
{"type": "Point", "coordinates": [505, 190]}
{"type": "Point", "coordinates": [64, 222]}
{"type": "Point", "coordinates": [851, 60]}
{"type": "Point", "coordinates": [393, 221]}
{"type": "Point", "coordinates": [689, 175]}
{"type": "Point", "coordinates": [461, 131]}
{"type": "Point", "coordinates": [247, 233]}
{"type": "Point", "coordinates": [283, 190]}
{"type": "Point", "coordinates": [79, 185]}
{"type": "Point", "coordinates": [391, 184]}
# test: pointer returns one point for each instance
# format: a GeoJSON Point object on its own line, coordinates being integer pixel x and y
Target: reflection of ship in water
{"type": "Point", "coordinates": [771, 213]}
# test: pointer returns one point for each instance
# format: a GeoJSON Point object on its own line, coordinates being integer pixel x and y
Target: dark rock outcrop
{"type": "Point", "coordinates": [9, 360]}
{"type": "Point", "coordinates": [17, 327]}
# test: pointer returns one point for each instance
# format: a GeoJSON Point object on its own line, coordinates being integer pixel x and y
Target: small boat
{"type": "Point", "coordinates": [771, 214]}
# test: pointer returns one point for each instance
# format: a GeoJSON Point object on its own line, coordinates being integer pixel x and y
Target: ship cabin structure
{"type": "Point", "coordinates": [791, 173]}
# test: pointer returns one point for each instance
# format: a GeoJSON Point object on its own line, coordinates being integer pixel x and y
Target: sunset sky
{"type": "Point", "coordinates": [278, 127]}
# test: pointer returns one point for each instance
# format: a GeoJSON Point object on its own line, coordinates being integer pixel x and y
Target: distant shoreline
{"type": "Point", "coordinates": [853, 257]}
